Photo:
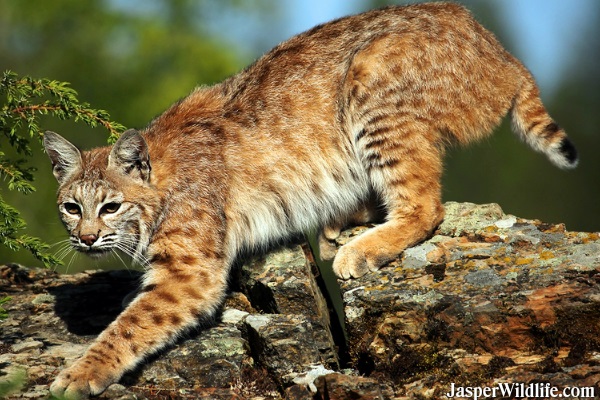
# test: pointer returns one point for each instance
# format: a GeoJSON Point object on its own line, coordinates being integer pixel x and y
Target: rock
{"type": "Point", "coordinates": [215, 358]}
{"type": "Point", "coordinates": [307, 378]}
{"type": "Point", "coordinates": [117, 391]}
{"type": "Point", "coordinates": [490, 299]}
{"type": "Point", "coordinates": [463, 218]}
{"type": "Point", "coordinates": [288, 345]}
{"type": "Point", "coordinates": [27, 345]}
{"type": "Point", "coordinates": [298, 392]}
{"type": "Point", "coordinates": [338, 386]}
{"type": "Point", "coordinates": [283, 283]}
{"type": "Point", "coordinates": [489, 296]}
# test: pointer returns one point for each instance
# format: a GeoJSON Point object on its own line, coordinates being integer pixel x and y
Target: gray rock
{"type": "Point", "coordinates": [468, 218]}
{"type": "Point", "coordinates": [215, 358]}
{"type": "Point", "coordinates": [340, 386]}
{"type": "Point", "coordinates": [283, 283]}
{"type": "Point", "coordinates": [27, 345]}
{"type": "Point", "coordinates": [288, 345]}
{"type": "Point", "coordinates": [43, 298]}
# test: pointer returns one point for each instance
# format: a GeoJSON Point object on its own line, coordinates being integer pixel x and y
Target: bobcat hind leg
{"type": "Point", "coordinates": [408, 181]}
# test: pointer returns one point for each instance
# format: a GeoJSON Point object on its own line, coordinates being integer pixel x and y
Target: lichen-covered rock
{"type": "Point", "coordinates": [489, 299]}
{"type": "Point", "coordinates": [338, 386]}
{"type": "Point", "coordinates": [216, 357]}
{"type": "Point", "coordinates": [288, 345]}
{"type": "Point", "coordinates": [282, 284]}
{"type": "Point", "coordinates": [489, 295]}
{"type": "Point", "coordinates": [52, 318]}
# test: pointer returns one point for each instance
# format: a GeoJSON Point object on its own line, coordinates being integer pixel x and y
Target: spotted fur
{"type": "Point", "coordinates": [350, 114]}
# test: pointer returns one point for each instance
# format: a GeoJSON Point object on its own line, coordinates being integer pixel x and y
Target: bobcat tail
{"type": "Point", "coordinates": [533, 124]}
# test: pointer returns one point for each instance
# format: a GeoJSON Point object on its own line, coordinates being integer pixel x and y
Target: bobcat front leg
{"type": "Point", "coordinates": [176, 292]}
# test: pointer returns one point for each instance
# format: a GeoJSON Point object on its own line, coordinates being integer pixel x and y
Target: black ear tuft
{"type": "Point", "coordinates": [65, 157]}
{"type": "Point", "coordinates": [130, 155]}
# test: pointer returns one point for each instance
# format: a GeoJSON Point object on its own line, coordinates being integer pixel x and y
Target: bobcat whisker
{"type": "Point", "coordinates": [63, 251]}
{"type": "Point", "coordinates": [73, 256]}
{"type": "Point", "coordinates": [115, 253]}
{"type": "Point", "coordinates": [60, 243]}
{"type": "Point", "coordinates": [131, 243]}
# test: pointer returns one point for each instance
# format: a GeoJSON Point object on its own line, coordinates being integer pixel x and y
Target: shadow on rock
{"type": "Point", "coordinates": [89, 306]}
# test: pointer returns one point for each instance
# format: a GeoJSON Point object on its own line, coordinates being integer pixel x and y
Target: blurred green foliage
{"type": "Point", "coordinates": [3, 313]}
{"type": "Point", "coordinates": [12, 382]}
{"type": "Point", "coordinates": [135, 58]}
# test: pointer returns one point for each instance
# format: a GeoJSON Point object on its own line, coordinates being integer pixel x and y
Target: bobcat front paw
{"type": "Point", "coordinates": [360, 256]}
{"type": "Point", "coordinates": [352, 262]}
{"type": "Point", "coordinates": [81, 380]}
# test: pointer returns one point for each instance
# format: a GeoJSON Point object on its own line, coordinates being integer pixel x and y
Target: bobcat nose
{"type": "Point", "coordinates": [88, 239]}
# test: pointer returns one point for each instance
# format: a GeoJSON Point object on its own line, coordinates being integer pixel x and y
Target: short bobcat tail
{"type": "Point", "coordinates": [533, 124]}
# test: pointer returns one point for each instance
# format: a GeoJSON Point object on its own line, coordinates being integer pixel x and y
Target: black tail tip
{"type": "Point", "coordinates": [569, 152]}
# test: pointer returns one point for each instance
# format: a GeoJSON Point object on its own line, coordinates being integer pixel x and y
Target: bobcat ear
{"type": "Point", "coordinates": [65, 157]}
{"type": "Point", "coordinates": [130, 155]}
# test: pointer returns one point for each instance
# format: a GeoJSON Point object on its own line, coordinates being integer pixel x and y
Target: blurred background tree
{"type": "Point", "coordinates": [134, 58]}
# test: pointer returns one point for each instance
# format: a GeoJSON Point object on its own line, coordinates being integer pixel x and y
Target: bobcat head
{"type": "Point", "coordinates": [104, 195]}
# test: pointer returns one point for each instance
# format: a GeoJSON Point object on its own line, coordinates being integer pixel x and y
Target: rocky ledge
{"type": "Point", "coordinates": [489, 300]}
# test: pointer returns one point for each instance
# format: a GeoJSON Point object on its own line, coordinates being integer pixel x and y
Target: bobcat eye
{"type": "Point", "coordinates": [110, 208]}
{"type": "Point", "coordinates": [72, 208]}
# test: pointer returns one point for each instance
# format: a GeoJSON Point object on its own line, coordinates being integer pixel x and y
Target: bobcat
{"type": "Point", "coordinates": [357, 109]}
